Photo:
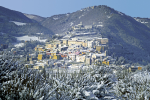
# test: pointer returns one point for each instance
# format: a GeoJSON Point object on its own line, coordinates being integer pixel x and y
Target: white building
{"type": "Point", "coordinates": [90, 44]}
{"type": "Point", "coordinates": [98, 55]}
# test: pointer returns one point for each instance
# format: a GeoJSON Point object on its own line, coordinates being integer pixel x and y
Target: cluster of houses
{"type": "Point", "coordinates": [69, 52]}
{"type": "Point", "coordinates": [72, 53]}
{"type": "Point", "coordinates": [81, 27]}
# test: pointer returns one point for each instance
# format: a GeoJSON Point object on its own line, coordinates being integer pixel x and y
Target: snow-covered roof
{"type": "Point", "coordinates": [103, 54]}
{"type": "Point", "coordinates": [64, 46]}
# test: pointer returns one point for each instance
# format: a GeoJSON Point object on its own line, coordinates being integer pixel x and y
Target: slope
{"type": "Point", "coordinates": [127, 36]}
{"type": "Point", "coordinates": [14, 23]}
{"type": "Point", "coordinates": [35, 17]}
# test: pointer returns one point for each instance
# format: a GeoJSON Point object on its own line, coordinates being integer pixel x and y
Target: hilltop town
{"type": "Point", "coordinates": [71, 51]}
{"type": "Point", "coordinates": [78, 48]}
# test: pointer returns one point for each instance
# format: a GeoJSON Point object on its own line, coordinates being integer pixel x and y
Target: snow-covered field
{"type": "Point", "coordinates": [88, 33]}
{"type": "Point", "coordinates": [18, 23]}
{"type": "Point", "coordinates": [55, 18]}
{"type": "Point", "coordinates": [28, 38]}
{"type": "Point", "coordinates": [19, 45]}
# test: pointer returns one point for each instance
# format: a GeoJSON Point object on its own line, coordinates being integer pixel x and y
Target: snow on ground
{"type": "Point", "coordinates": [71, 23]}
{"type": "Point", "coordinates": [99, 25]}
{"type": "Point", "coordinates": [55, 18]}
{"type": "Point", "coordinates": [67, 14]}
{"type": "Point", "coordinates": [140, 21]}
{"type": "Point", "coordinates": [88, 33]}
{"type": "Point", "coordinates": [18, 23]}
{"type": "Point", "coordinates": [137, 19]}
{"type": "Point", "coordinates": [19, 45]}
{"type": "Point", "coordinates": [108, 16]}
{"type": "Point", "coordinates": [39, 33]}
{"type": "Point", "coordinates": [28, 38]}
{"type": "Point", "coordinates": [145, 75]}
{"type": "Point", "coordinates": [144, 22]}
{"type": "Point", "coordinates": [87, 37]}
{"type": "Point", "coordinates": [120, 13]}
{"type": "Point", "coordinates": [73, 67]}
{"type": "Point", "coordinates": [66, 36]}
{"type": "Point", "coordinates": [81, 16]}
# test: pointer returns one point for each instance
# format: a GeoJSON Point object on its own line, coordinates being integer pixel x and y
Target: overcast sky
{"type": "Point", "coordinates": [47, 8]}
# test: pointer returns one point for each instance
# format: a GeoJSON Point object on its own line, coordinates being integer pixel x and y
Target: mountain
{"type": "Point", "coordinates": [14, 23]}
{"type": "Point", "coordinates": [35, 17]}
{"type": "Point", "coordinates": [7, 15]}
{"type": "Point", "coordinates": [127, 36]}
{"type": "Point", "coordinates": [88, 16]}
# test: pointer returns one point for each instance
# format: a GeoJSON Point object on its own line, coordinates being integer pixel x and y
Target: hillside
{"type": "Point", "coordinates": [35, 17]}
{"type": "Point", "coordinates": [92, 15]}
{"type": "Point", "coordinates": [11, 15]}
{"type": "Point", "coordinates": [128, 37]}
{"type": "Point", "coordinates": [145, 21]}
{"type": "Point", "coordinates": [14, 23]}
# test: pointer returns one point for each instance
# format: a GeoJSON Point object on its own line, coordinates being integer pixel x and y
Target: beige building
{"type": "Point", "coordinates": [65, 42]}
{"type": "Point", "coordinates": [90, 44]}
{"type": "Point", "coordinates": [49, 46]}
{"type": "Point", "coordinates": [104, 40]}
{"type": "Point", "coordinates": [77, 42]}
{"type": "Point", "coordinates": [70, 42]}
{"type": "Point", "coordinates": [101, 48]}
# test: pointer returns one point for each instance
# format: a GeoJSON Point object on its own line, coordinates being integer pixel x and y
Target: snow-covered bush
{"type": "Point", "coordinates": [98, 82]}
{"type": "Point", "coordinates": [94, 83]}
{"type": "Point", "coordinates": [134, 86]}
{"type": "Point", "coordinates": [18, 82]}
